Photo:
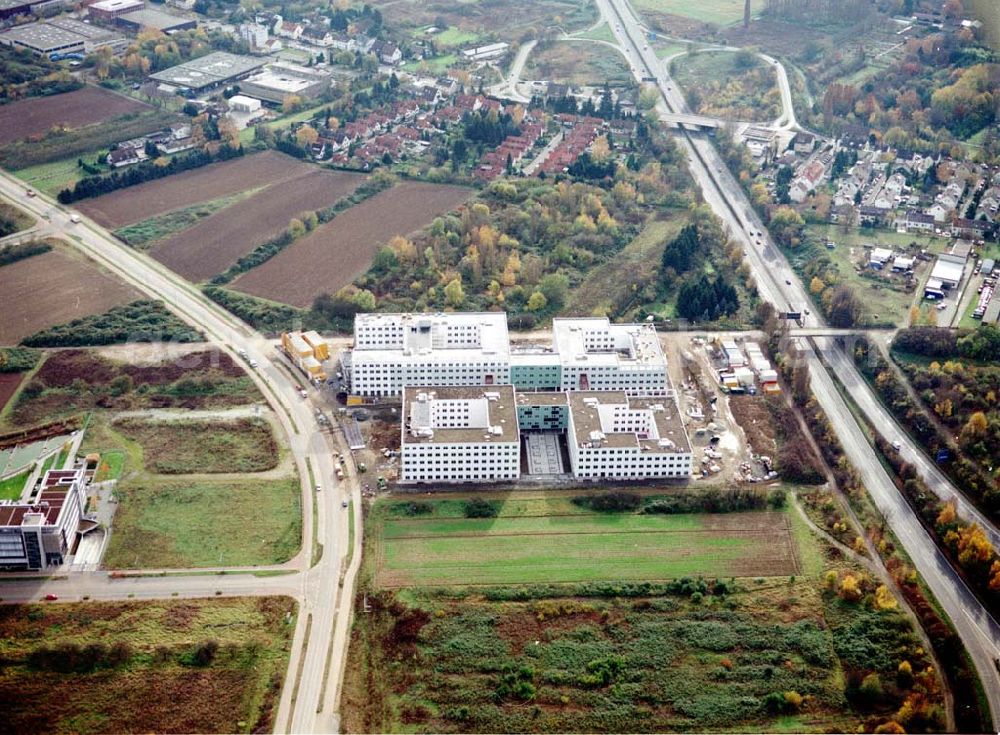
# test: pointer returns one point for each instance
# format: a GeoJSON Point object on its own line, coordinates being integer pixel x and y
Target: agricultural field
{"type": "Point", "coordinates": [211, 666]}
{"type": "Point", "coordinates": [36, 116]}
{"type": "Point", "coordinates": [339, 251]}
{"type": "Point", "coordinates": [790, 648]}
{"type": "Point", "coordinates": [717, 12]}
{"type": "Point", "coordinates": [185, 523]}
{"type": "Point", "coordinates": [143, 235]}
{"type": "Point", "coordinates": [75, 381]}
{"type": "Point", "coordinates": [177, 447]}
{"type": "Point", "coordinates": [217, 241]}
{"type": "Point", "coordinates": [53, 288]}
{"type": "Point", "coordinates": [503, 20]}
{"type": "Point", "coordinates": [579, 63]}
{"type": "Point", "coordinates": [733, 86]}
{"type": "Point", "coordinates": [227, 178]}
{"type": "Point", "coordinates": [582, 547]}
{"type": "Point", "coordinates": [8, 386]}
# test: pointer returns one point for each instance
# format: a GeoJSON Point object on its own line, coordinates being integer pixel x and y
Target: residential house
{"type": "Point", "coordinates": [125, 156]}
{"type": "Point", "coordinates": [387, 52]}
{"type": "Point", "coordinates": [971, 228]}
{"type": "Point", "coordinates": [914, 221]}
{"type": "Point", "coordinates": [805, 143]}
{"type": "Point", "coordinates": [940, 211]}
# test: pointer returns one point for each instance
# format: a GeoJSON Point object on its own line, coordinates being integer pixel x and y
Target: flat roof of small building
{"type": "Point", "coordinates": [217, 67]}
{"type": "Point", "coordinates": [112, 5]}
{"type": "Point", "coordinates": [287, 79]}
{"type": "Point", "coordinates": [637, 344]}
{"type": "Point", "coordinates": [542, 399]}
{"type": "Point", "coordinates": [490, 416]}
{"type": "Point", "coordinates": [88, 30]}
{"type": "Point", "coordinates": [948, 269]}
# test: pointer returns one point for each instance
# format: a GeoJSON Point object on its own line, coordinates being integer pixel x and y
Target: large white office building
{"type": "Point", "coordinates": [614, 437]}
{"type": "Point", "coordinates": [393, 351]}
{"type": "Point", "coordinates": [459, 434]}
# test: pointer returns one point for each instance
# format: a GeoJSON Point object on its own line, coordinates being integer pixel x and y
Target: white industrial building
{"type": "Point", "coordinates": [459, 434]}
{"type": "Point", "coordinates": [40, 534]}
{"type": "Point", "coordinates": [392, 351]}
{"type": "Point", "coordinates": [613, 437]}
{"type": "Point", "coordinates": [948, 270]}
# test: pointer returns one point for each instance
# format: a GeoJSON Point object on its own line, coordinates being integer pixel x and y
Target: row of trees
{"type": "Point", "coordinates": [92, 186]}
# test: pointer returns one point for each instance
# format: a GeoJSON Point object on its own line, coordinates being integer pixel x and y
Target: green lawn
{"type": "Point", "coordinates": [720, 12]}
{"type": "Point", "coordinates": [454, 36]}
{"type": "Point", "coordinates": [437, 65]}
{"type": "Point", "coordinates": [112, 464]}
{"type": "Point", "coordinates": [13, 219]}
{"type": "Point", "coordinates": [201, 524]}
{"type": "Point", "coordinates": [51, 178]}
{"type": "Point", "coordinates": [11, 488]}
{"type": "Point", "coordinates": [603, 32]}
{"type": "Point", "coordinates": [536, 541]}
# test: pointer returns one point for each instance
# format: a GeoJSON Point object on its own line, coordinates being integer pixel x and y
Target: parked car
{"type": "Point", "coordinates": [50, 597]}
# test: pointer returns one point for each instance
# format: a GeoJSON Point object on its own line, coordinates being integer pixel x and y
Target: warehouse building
{"type": "Point", "coordinates": [135, 21]}
{"type": "Point", "coordinates": [62, 36]}
{"type": "Point", "coordinates": [41, 534]}
{"type": "Point", "coordinates": [392, 351]}
{"type": "Point", "coordinates": [278, 81]}
{"type": "Point", "coordinates": [459, 434]}
{"type": "Point", "coordinates": [948, 270]}
{"type": "Point", "coordinates": [208, 72]}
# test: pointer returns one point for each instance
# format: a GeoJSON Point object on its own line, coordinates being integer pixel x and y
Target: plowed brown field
{"type": "Point", "coordinates": [136, 203]}
{"type": "Point", "coordinates": [218, 241]}
{"type": "Point", "coordinates": [339, 251]}
{"type": "Point", "coordinates": [8, 386]}
{"type": "Point", "coordinates": [73, 109]}
{"type": "Point", "coordinates": [54, 288]}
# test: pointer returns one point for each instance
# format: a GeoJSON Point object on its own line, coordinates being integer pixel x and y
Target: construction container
{"type": "Point", "coordinates": [295, 346]}
{"type": "Point", "coordinates": [320, 347]}
{"type": "Point", "coordinates": [310, 365]}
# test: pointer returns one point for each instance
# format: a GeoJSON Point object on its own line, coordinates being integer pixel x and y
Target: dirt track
{"type": "Point", "coordinates": [218, 241]}
{"type": "Point", "coordinates": [339, 251]}
{"type": "Point", "coordinates": [37, 115]}
{"type": "Point", "coordinates": [137, 203]}
{"type": "Point", "coordinates": [54, 288]}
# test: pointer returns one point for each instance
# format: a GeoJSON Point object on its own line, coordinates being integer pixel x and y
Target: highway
{"type": "Point", "coordinates": [776, 282]}
{"type": "Point", "coordinates": [316, 588]}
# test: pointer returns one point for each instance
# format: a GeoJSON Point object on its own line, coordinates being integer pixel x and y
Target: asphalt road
{"type": "Point", "coordinates": [778, 284]}
{"type": "Point", "coordinates": [316, 588]}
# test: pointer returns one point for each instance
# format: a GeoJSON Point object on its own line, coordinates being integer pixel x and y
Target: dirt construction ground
{"type": "Point", "coordinates": [136, 203]}
{"type": "Point", "coordinates": [218, 241]}
{"type": "Point", "coordinates": [54, 288]}
{"type": "Point", "coordinates": [73, 109]}
{"type": "Point", "coordinates": [8, 386]}
{"type": "Point", "coordinates": [339, 251]}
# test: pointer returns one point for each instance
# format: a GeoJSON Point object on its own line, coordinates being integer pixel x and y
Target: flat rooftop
{"type": "Point", "coordinates": [113, 5]}
{"type": "Point", "coordinates": [42, 36]}
{"type": "Point", "coordinates": [542, 399]}
{"type": "Point", "coordinates": [282, 81]}
{"type": "Point", "coordinates": [217, 67]}
{"type": "Point", "coordinates": [592, 421]}
{"type": "Point", "coordinates": [56, 486]}
{"type": "Point", "coordinates": [152, 18]}
{"type": "Point", "coordinates": [464, 414]}
{"type": "Point", "coordinates": [622, 344]}
{"type": "Point", "coordinates": [87, 30]}
{"type": "Point", "coordinates": [435, 337]}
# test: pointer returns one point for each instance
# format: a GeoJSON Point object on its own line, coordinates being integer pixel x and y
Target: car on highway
{"type": "Point", "coordinates": [896, 445]}
{"type": "Point", "coordinates": [51, 598]}
{"type": "Point", "coordinates": [29, 192]}
{"type": "Point", "coordinates": [254, 364]}
{"type": "Point", "coordinates": [343, 503]}
{"type": "Point", "coordinates": [319, 488]}
{"type": "Point", "coordinates": [787, 282]}
{"type": "Point", "coordinates": [807, 312]}
{"type": "Point", "coordinates": [75, 219]}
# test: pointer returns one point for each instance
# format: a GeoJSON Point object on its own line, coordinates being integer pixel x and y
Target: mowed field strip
{"type": "Point", "coordinates": [335, 254]}
{"type": "Point", "coordinates": [54, 288]}
{"type": "Point", "coordinates": [582, 547]}
{"type": "Point", "coordinates": [219, 240]}
{"type": "Point", "coordinates": [37, 115]}
{"type": "Point", "coordinates": [136, 203]}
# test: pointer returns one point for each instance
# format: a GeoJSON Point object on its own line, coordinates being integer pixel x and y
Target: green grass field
{"type": "Point", "coordinates": [455, 37]}
{"type": "Point", "coordinates": [720, 12]}
{"type": "Point", "coordinates": [51, 178]}
{"type": "Point", "coordinates": [202, 524]}
{"type": "Point", "coordinates": [112, 465]}
{"type": "Point", "coordinates": [532, 544]}
{"type": "Point", "coordinates": [11, 487]}
{"type": "Point", "coordinates": [128, 666]}
{"type": "Point", "coordinates": [578, 63]}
